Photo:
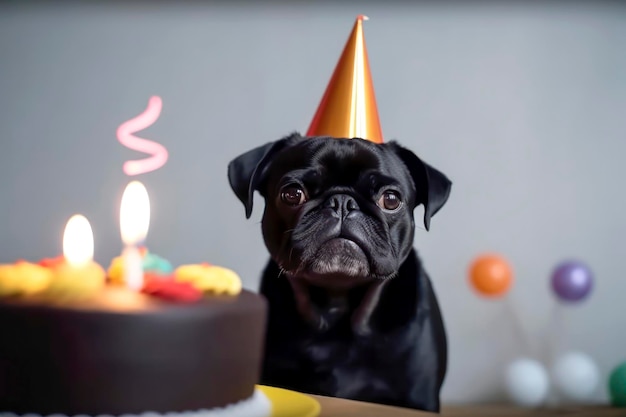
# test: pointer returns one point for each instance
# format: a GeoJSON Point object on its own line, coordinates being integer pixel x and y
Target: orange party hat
{"type": "Point", "coordinates": [348, 107]}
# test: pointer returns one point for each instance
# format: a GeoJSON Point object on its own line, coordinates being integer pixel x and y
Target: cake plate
{"type": "Point", "coordinates": [286, 403]}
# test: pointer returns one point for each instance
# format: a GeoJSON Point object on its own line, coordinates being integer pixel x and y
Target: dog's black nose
{"type": "Point", "coordinates": [342, 204]}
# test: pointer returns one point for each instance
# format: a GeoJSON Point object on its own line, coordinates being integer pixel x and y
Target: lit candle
{"type": "Point", "coordinates": [77, 274]}
{"type": "Point", "coordinates": [134, 223]}
{"type": "Point", "coordinates": [78, 241]}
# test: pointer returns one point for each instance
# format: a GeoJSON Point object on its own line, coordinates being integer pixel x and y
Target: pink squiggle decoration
{"type": "Point", "coordinates": [127, 138]}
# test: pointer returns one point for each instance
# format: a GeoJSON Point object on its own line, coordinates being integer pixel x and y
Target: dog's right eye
{"type": "Point", "coordinates": [293, 195]}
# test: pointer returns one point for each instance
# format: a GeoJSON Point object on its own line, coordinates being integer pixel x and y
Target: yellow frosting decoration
{"type": "Point", "coordinates": [209, 278]}
{"type": "Point", "coordinates": [9, 280]}
{"type": "Point", "coordinates": [23, 278]}
{"type": "Point", "coordinates": [116, 270]}
{"type": "Point", "coordinates": [71, 281]}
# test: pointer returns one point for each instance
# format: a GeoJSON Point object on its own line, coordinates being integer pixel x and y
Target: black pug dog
{"type": "Point", "coordinates": [352, 314]}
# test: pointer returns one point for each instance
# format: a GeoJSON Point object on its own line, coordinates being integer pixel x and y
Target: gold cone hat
{"type": "Point", "coordinates": [348, 108]}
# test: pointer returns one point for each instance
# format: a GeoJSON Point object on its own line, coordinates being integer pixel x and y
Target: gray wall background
{"type": "Point", "coordinates": [523, 107]}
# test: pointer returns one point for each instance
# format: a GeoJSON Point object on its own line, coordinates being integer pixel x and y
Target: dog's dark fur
{"type": "Point", "coordinates": [352, 312]}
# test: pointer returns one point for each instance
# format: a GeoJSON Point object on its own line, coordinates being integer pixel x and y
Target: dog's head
{"type": "Point", "coordinates": [338, 213]}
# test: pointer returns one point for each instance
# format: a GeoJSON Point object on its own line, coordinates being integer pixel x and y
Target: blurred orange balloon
{"type": "Point", "coordinates": [491, 275]}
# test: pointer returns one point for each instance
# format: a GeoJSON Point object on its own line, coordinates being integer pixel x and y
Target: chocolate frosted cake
{"type": "Point", "coordinates": [124, 352]}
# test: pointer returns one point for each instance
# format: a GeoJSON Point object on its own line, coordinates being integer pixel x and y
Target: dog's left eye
{"type": "Point", "coordinates": [293, 195]}
{"type": "Point", "coordinates": [390, 200]}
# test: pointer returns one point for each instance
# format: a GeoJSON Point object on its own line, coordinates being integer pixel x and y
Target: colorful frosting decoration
{"type": "Point", "coordinates": [57, 280]}
{"type": "Point", "coordinates": [70, 281]}
{"type": "Point", "coordinates": [168, 289]}
{"type": "Point", "coordinates": [209, 278]}
{"type": "Point", "coordinates": [23, 278]}
{"type": "Point", "coordinates": [54, 278]}
{"type": "Point", "coordinates": [157, 265]}
{"type": "Point", "coordinates": [152, 264]}
{"type": "Point", "coordinates": [162, 281]}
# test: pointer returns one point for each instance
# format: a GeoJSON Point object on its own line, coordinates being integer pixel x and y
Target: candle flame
{"type": "Point", "coordinates": [78, 241]}
{"type": "Point", "coordinates": [134, 214]}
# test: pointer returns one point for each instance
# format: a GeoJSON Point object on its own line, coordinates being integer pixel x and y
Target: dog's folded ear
{"type": "Point", "coordinates": [246, 172]}
{"type": "Point", "coordinates": [432, 186]}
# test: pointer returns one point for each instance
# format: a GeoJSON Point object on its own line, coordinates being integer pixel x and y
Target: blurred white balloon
{"type": "Point", "coordinates": [527, 382]}
{"type": "Point", "coordinates": [575, 376]}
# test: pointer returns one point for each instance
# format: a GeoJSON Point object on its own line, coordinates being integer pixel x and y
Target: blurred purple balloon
{"type": "Point", "coordinates": [572, 281]}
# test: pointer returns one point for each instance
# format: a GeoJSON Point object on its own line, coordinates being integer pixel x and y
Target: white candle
{"type": "Point", "coordinates": [134, 224]}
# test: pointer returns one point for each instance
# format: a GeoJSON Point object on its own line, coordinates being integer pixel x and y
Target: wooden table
{"type": "Point", "coordinates": [335, 407]}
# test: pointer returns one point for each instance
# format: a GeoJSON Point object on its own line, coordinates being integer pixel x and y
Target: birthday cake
{"type": "Point", "coordinates": [189, 342]}
{"type": "Point", "coordinates": [142, 338]}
